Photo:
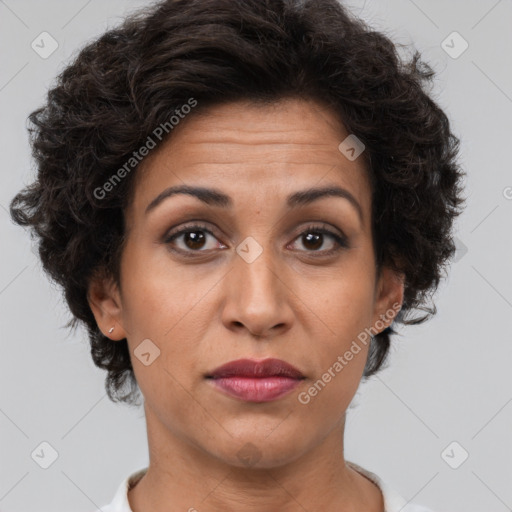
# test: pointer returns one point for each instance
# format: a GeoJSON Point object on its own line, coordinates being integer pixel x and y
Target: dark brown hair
{"type": "Point", "coordinates": [129, 81]}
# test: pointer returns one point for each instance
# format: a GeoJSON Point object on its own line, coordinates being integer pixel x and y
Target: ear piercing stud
{"type": "Point", "coordinates": [111, 330]}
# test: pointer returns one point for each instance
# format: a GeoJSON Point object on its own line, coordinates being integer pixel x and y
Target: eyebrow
{"type": "Point", "coordinates": [217, 198]}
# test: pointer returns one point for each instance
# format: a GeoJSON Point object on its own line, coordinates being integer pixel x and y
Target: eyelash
{"type": "Point", "coordinates": [341, 241]}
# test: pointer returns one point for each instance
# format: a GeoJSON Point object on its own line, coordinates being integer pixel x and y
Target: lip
{"type": "Point", "coordinates": [251, 380]}
{"type": "Point", "coordinates": [257, 369]}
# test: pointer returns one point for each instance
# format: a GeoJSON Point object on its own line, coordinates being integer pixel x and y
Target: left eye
{"type": "Point", "coordinates": [313, 239]}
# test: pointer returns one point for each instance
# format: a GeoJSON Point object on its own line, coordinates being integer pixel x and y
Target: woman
{"type": "Point", "coordinates": [239, 200]}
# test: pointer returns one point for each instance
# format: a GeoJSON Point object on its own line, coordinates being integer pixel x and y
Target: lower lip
{"type": "Point", "coordinates": [256, 389]}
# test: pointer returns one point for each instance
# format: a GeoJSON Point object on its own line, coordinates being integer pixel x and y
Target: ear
{"type": "Point", "coordinates": [389, 296]}
{"type": "Point", "coordinates": [105, 302]}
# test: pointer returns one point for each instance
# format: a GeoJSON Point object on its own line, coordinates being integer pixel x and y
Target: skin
{"type": "Point", "coordinates": [291, 303]}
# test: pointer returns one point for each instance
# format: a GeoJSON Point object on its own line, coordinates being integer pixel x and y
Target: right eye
{"type": "Point", "coordinates": [192, 239]}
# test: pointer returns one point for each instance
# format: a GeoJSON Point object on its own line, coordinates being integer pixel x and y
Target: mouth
{"type": "Point", "coordinates": [251, 368]}
{"type": "Point", "coordinates": [256, 381]}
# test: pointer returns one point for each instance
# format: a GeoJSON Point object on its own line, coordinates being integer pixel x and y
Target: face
{"type": "Point", "coordinates": [251, 275]}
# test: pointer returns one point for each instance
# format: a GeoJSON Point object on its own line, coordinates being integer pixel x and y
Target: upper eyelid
{"type": "Point", "coordinates": [190, 227]}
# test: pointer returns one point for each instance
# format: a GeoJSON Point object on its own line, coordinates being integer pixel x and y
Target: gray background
{"type": "Point", "coordinates": [448, 380]}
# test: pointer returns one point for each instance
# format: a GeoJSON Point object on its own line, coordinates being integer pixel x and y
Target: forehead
{"type": "Point", "coordinates": [253, 150]}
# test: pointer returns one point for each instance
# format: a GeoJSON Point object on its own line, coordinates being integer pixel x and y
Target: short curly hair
{"type": "Point", "coordinates": [122, 85]}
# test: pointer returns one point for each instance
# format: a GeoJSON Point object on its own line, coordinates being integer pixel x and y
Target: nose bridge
{"type": "Point", "coordinates": [256, 267]}
{"type": "Point", "coordinates": [256, 292]}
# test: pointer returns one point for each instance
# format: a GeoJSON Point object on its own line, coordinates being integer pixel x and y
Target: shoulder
{"type": "Point", "coordinates": [120, 501]}
{"type": "Point", "coordinates": [393, 501]}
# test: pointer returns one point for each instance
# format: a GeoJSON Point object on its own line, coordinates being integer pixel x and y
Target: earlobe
{"type": "Point", "coordinates": [105, 303]}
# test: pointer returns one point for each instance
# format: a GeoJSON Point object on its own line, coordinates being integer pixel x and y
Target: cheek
{"type": "Point", "coordinates": [168, 307]}
{"type": "Point", "coordinates": [341, 356]}
{"type": "Point", "coordinates": [155, 293]}
{"type": "Point", "coordinates": [346, 303]}
{"type": "Point", "coordinates": [345, 306]}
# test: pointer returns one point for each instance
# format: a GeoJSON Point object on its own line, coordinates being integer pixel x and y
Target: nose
{"type": "Point", "coordinates": [257, 295]}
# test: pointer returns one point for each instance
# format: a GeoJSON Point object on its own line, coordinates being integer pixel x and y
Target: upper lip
{"type": "Point", "coordinates": [257, 369]}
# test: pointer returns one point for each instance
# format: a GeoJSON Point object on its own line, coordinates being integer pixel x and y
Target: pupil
{"type": "Point", "coordinates": [193, 240]}
{"type": "Point", "coordinates": [316, 238]}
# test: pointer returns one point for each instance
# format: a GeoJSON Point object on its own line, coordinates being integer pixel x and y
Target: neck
{"type": "Point", "coordinates": [185, 477]}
